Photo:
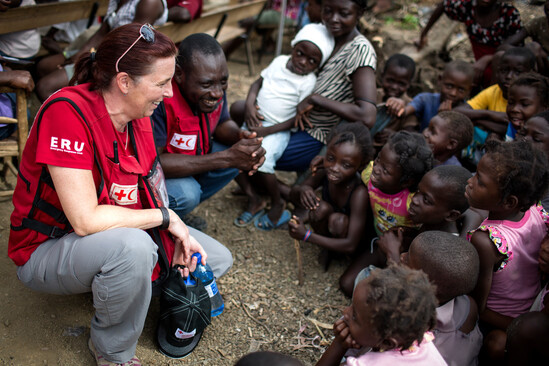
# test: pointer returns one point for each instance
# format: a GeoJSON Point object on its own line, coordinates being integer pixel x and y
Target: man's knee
{"type": "Point", "coordinates": [184, 194]}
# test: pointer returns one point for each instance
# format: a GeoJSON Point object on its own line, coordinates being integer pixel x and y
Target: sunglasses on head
{"type": "Point", "coordinates": [147, 33]}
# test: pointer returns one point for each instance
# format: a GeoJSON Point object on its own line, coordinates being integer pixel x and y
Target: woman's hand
{"type": "Point", "coordinates": [296, 228]}
{"type": "Point", "coordinates": [185, 245]}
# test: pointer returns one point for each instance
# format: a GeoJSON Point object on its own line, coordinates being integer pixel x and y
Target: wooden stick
{"type": "Point", "coordinates": [299, 262]}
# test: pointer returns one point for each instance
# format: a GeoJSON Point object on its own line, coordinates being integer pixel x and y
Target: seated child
{"type": "Point", "coordinates": [528, 96]}
{"type": "Point", "coordinates": [388, 322]}
{"type": "Point", "coordinates": [448, 133]}
{"type": "Point", "coordinates": [438, 204]}
{"type": "Point", "coordinates": [390, 180]}
{"type": "Point", "coordinates": [270, 110]}
{"type": "Point", "coordinates": [452, 264]}
{"type": "Point", "coordinates": [264, 358]}
{"type": "Point", "coordinates": [511, 177]}
{"type": "Point", "coordinates": [396, 78]}
{"type": "Point", "coordinates": [455, 85]}
{"type": "Point", "coordinates": [488, 108]}
{"type": "Point", "coordinates": [337, 219]}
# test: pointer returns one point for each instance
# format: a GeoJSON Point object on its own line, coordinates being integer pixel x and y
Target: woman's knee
{"type": "Point", "coordinates": [135, 248]}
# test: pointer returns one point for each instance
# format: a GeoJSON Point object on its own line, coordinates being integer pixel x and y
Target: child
{"type": "Point", "coordinates": [452, 265]}
{"type": "Point", "coordinates": [396, 171]}
{"type": "Point", "coordinates": [338, 218]}
{"type": "Point", "coordinates": [511, 177]}
{"type": "Point", "coordinates": [438, 204]}
{"type": "Point", "coordinates": [488, 108]}
{"type": "Point", "coordinates": [489, 24]}
{"type": "Point", "coordinates": [528, 95]}
{"type": "Point", "coordinates": [455, 85]}
{"type": "Point", "coordinates": [396, 78]}
{"type": "Point", "coordinates": [388, 322]}
{"type": "Point", "coordinates": [448, 133]}
{"type": "Point", "coordinates": [270, 109]}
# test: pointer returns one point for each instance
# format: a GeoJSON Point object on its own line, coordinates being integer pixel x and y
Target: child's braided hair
{"type": "Point", "coordinates": [403, 304]}
{"type": "Point", "coordinates": [415, 156]}
{"type": "Point", "coordinates": [521, 170]}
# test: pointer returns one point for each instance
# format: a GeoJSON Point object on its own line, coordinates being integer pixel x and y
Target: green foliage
{"type": "Point", "coordinates": [410, 22]}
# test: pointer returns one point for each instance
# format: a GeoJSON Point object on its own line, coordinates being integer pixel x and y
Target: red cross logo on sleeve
{"type": "Point", "coordinates": [183, 142]}
{"type": "Point", "coordinates": [124, 194]}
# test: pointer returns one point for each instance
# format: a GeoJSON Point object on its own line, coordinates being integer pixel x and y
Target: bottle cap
{"type": "Point", "coordinates": [198, 257]}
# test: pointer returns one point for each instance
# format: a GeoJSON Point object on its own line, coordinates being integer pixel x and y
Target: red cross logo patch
{"type": "Point", "coordinates": [124, 195]}
{"type": "Point", "coordinates": [183, 142]}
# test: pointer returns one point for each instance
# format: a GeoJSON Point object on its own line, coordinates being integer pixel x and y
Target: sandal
{"type": "Point", "coordinates": [265, 224]}
{"type": "Point", "coordinates": [102, 362]}
{"type": "Point", "coordinates": [246, 218]}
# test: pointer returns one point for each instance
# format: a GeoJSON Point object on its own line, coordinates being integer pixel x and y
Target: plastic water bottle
{"type": "Point", "coordinates": [205, 274]}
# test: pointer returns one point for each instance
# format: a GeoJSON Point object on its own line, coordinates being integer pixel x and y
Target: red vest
{"type": "Point", "coordinates": [188, 133]}
{"type": "Point", "coordinates": [38, 215]}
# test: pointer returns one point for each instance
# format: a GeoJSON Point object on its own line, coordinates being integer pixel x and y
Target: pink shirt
{"type": "Point", "coordinates": [389, 210]}
{"type": "Point", "coordinates": [516, 283]}
{"type": "Point", "coordinates": [424, 354]}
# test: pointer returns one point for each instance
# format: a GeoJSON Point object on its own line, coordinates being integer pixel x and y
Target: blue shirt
{"type": "Point", "coordinates": [426, 106]}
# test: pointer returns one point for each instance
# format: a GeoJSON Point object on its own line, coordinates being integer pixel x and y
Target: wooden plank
{"type": "Point", "coordinates": [34, 16]}
{"type": "Point", "coordinates": [209, 22]}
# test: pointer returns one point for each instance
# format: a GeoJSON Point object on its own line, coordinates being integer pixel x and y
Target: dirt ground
{"type": "Point", "coordinates": [264, 306]}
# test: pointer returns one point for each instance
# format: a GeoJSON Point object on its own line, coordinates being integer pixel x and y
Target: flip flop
{"type": "Point", "coordinates": [246, 218]}
{"type": "Point", "coordinates": [267, 224]}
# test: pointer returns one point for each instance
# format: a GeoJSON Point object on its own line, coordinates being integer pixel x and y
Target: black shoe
{"type": "Point", "coordinates": [195, 222]}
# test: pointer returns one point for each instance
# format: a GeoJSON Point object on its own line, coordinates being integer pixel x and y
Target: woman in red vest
{"type": "Point", "coordinates": [90, 184]}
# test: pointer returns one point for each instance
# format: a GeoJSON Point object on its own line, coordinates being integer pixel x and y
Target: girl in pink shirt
{"type": "Point", "coordinates": [510, 179]}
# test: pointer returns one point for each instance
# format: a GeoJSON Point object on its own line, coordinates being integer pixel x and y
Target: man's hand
{"type": "Point", "coordinates": [247, 154]}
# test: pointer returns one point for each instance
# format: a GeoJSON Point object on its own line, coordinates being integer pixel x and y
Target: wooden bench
{"type": "Point", "coordinates": [221, 23]}
{"type": "Point", "coordinates": [31, 17]}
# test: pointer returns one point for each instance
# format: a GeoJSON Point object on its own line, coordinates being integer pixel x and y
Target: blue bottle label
{"type": "Point", "coordinates": [212, 289]}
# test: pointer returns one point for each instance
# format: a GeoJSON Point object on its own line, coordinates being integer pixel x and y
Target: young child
{"type": "Point", "coordinates": [396, 78]}
{"type": "Point", "coordinates": [511, 177]}
{"type": "Point", "coordinates": [438, 204]}
{"type": "Point", "coordinates": [448, 133]}
{"type": "Point", "coordinates": [452, 265]}
{"type": "Point", "coordinates": [388, 322]}
{"type": "Point", "coordinates": [455, 85]}
{"type": "Point", "coordinates": [337, 219]}
{"type": "Point", "coordinates": [393, 176]}
{"type": "Point", "coordinates": [528, 96]}
{"type": "Point", "coordinates": [270, 110]}
{"type": "Point", "coordinates": [488, 108]}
